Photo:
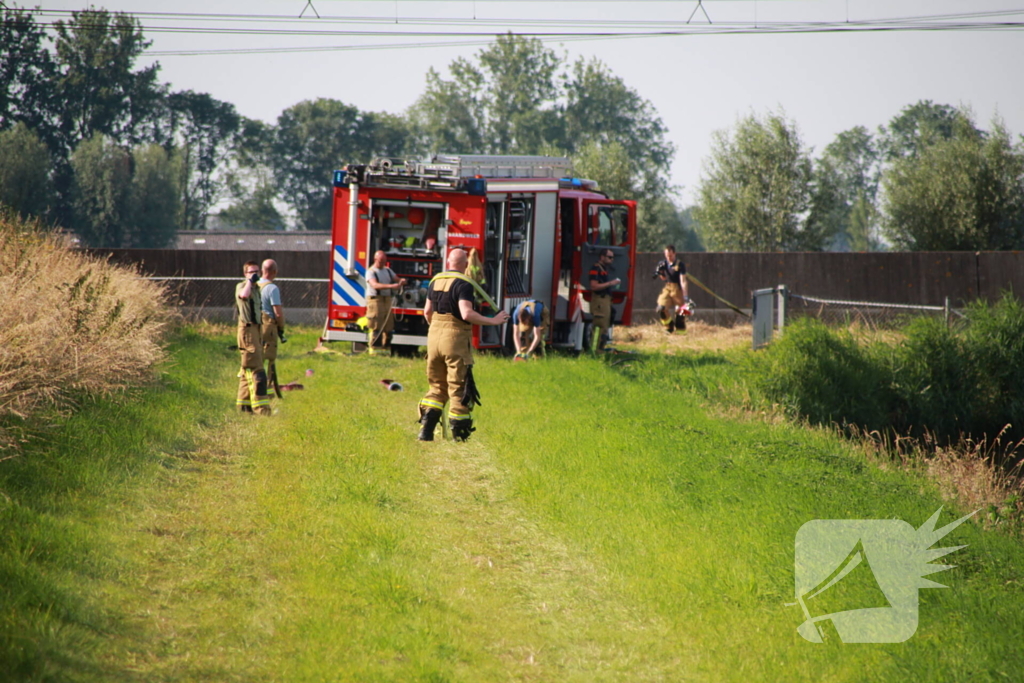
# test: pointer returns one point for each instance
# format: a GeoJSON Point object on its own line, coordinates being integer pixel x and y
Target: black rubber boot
{"type": "Point", "coordinates": [681, 322]}
{"type": "Point", "coordinates": [461, 429]}
{"type": "Point", "coordinates": [429, 420]}
{"type": "Point", "coordinates": [665, 318]}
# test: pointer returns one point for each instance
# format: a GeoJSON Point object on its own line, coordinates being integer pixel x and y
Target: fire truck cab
{"type": "Point", "coordinates": [534, 229]}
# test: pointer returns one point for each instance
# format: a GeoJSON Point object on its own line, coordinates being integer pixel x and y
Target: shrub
{"type": "Point", "coordinates": [931, 382]}
{"type": "Point", "coordinates": [821, 374]}
{"type": "Point", "coordinates": [995, 341]}
{"type": "Point", "coordinates": [944, 382]}
{"type": "Point", "coordinates": [69, 325]}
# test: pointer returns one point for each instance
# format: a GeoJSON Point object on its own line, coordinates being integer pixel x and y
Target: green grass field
{"type": "Point", "coordinates": [609, 521]}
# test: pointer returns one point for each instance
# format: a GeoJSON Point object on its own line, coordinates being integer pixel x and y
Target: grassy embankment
{"type": "Point", "coordinates": [605, 523]}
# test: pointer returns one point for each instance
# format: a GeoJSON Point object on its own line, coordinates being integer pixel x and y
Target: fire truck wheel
{"type": "Point", "coordinates": [588, 335]}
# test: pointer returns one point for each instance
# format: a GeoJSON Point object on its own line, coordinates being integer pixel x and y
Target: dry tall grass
{"type": "Point", "coordinates": [699, 336]}
{"type": "Point", "coordinates": [69, 325]}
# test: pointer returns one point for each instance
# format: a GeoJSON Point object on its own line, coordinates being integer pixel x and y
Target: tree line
{"type": "Point", "coordinates": [930, 180]}
{"type": "Point", "coordinates": [94, 144]}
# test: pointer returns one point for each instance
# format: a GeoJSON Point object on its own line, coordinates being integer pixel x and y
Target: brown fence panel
{"type": "Point", "coordinates": [1000, 271]}
{"type": "Point", "coordinates": [214, 263]}
{"type": "Point", "coordinates": [919, 278]}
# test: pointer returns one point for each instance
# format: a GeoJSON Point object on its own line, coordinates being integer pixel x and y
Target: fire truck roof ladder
{"type": "Point", "coordinates": [450, 167]}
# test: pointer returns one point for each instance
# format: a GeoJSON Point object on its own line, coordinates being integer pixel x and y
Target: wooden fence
{"type": "Point", "coordinates": [920, 278]}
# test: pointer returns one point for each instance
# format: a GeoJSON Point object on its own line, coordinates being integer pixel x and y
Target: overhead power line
{"type": "Point", "coordinates": [461, 31]}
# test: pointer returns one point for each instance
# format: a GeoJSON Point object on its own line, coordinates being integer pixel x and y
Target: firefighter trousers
{"type": "Point", "coordinates": [671, 297]}
{"type": "Point", "coordinates": [601, 312]}
{"type": "Point", "coordinates": [269, 329]}
{"type": "Point", "coordinates": [252, 378]}
{"type": "Point", "coordinates": [379, 320]}
{"type": "Point", "coordinates": [449, 358]}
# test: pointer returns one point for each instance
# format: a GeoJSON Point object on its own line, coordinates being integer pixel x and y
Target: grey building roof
{"type": "Point", "coordinates": [298, 240]}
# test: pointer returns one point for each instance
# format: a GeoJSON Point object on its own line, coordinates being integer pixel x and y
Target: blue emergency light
{"type": "Point", "coordinates": [339, 178]}
{"type": "Point", "coordinates": [477, 186]}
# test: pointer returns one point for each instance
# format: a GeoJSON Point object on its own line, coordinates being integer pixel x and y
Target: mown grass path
{"type": "Point", "coordinates": [602, 525]}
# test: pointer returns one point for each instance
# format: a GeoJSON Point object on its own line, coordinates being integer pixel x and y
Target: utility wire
{"type": "Point", "coordinates": [577, 29]}
{"type": "Point", "coordinates": [574, 21]}
{"type": "Point", "coordinates": [637, 31]}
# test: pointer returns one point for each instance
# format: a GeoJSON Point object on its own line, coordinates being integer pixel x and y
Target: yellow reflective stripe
{"type": "Point", "coordinates": [261, 402]}
{"type": "Point", "coordinates": [457, 416]}
{"type": "Point", "coordinates": [250, 380]}
{"type": "Point", "coordinates": [455, 275]}
{"type": "Point", "coordinates": [431, 404]}
{"type": "Point", "coordinates": [241, 403]}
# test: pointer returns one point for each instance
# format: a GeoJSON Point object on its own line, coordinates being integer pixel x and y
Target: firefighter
{"type": "Point", "coordinates": [530, 316]}
{"type": "Point", "coordinates": [381, 286]}
{"type": "Point", "coordinates": [676, 292]}
{"type": "Point", "coordinates": [450, 315]}
{"type": "Point", "coordinates": [252, 378]}
{"type": "Point", "coordinates": [272, 323]}
{"type": "Point", "coordinates": [601, 298]}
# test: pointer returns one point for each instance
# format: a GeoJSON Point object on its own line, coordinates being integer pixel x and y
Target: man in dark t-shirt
{"type": "Point", "coordinates": [450, 315]}
{"type": "Point", "coordinates": [675, 293]}
{"type": "Point", "coordinates": [601, 298]}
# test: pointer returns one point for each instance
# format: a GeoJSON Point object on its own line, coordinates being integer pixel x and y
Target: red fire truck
{"type": "Point", "coordinates": [536, 231]}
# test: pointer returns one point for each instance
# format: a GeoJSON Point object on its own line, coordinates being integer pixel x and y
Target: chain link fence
{"type": "Point", "coordinates": [213, 298]}
{"type": "Point", "coordinates": [867, 313]}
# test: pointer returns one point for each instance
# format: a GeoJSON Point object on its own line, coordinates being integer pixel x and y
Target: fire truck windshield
{"type": "Point", "coordinates": [609, 224]}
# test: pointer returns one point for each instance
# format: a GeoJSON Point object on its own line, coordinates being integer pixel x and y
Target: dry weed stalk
{"type": "Point", "coordinates": [70, 325]}
{"type": "Point", "coordinates": [973, 474]}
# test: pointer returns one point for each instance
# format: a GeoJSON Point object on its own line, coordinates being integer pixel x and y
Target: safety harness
{"type": "Point", "coordinates": [455, 275]}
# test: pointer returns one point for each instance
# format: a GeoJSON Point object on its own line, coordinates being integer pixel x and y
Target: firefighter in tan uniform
{"type": "Point", "coordinates": [675, 294]}
{"type": "Point", "coordinates": [252, 378]}
{"type": "Point", "coordinates": [601, 298]}
{"type": "Point", "coordinates": [272, 322]}
{"type": "Point", "coordinates": [449, 312]}
{"type": "Point", "coordinates": [381, 286]}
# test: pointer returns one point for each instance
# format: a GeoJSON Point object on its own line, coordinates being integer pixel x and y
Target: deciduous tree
{"type": "Point", "coordinates": [25, 183]}
{"type": "Point", "coordinates": [26, 71]}
{"type": "Point", "coordinates": [755, 190]}
{"type": "Point", "coordinates": [99, 89]}
{"type": "Point", "coordinates": [961, 193]}
{"type": "Point", "coordinates": [100, 194]}
{"type": "Point", "coordinates": [154, 203]}
{"type": "Point", "coordinates": [915, 127]}
{"type": "Point", "coordinates": [249, 179]}
{"type": "Point", "coordinates": [201, 128]}
{"type": "Point", "coordinates": [315, 137]}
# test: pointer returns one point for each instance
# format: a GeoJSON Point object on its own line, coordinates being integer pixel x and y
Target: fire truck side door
{"type": "Point", "coordinates": [608, 228]}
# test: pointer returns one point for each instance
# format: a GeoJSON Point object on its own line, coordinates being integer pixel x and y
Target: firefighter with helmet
{"type": "Point", "coordinates": [450, 314]}
{"type": "Point", "coordinates": [675, 295]}
{"type": "Point", "coordinates": [252, 378]}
